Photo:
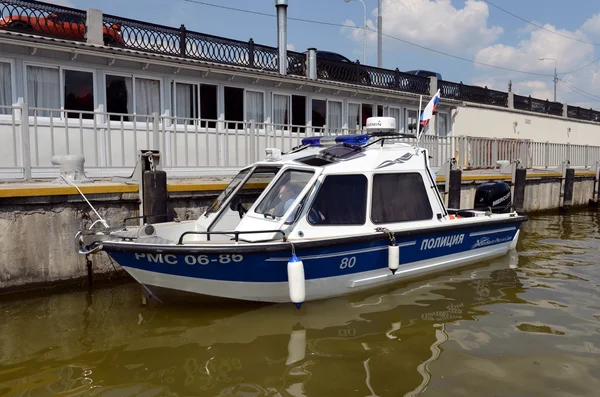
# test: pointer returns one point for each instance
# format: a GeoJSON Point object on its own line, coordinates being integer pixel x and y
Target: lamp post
{"type": "Point", "coordinates": [379, 33]}
{"type": "Point", "coordinates": [364, 30]}
{"type": "Point", "coordinates": [555, 75]}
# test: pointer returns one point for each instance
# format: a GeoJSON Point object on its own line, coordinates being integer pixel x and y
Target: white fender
{"type": "Point", "coordinates": [295, 269]}
{"type": "Point", "coordinates": [393, 258]}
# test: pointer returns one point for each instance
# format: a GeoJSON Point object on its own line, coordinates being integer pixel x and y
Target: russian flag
{"type": "Point", "coordinates": [429, 109]}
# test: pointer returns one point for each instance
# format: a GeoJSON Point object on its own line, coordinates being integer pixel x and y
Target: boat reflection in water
{"type": "Point", "coordinates": [379, 343]}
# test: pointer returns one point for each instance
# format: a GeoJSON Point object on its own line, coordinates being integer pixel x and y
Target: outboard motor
{"type": "Point", "coordinates": [495, 195]}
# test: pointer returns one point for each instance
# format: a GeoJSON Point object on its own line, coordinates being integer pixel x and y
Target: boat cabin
{"type": "Point", "coordinates": [329, 186]}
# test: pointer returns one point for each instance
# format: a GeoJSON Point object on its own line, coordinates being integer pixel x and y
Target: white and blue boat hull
{"type": "Point", "coordinates": [332, 267]}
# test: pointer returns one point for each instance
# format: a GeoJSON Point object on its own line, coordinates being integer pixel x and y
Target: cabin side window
{"type": "Point", "coordinates": [399, 197]}
{"type": "Point", "coordinates": [341, 200]}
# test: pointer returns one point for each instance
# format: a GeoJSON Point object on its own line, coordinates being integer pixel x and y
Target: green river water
{"type": "Point", "coordinates": [527, 324]}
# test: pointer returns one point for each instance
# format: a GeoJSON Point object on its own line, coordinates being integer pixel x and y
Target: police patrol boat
{"type": "Point", "coordinates": [335, 215]}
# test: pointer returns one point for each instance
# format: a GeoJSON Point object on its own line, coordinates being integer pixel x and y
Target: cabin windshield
{"type": "Point", "coordinates": [216, 205]}
{"type": "Point", "coordinates": [284, 193]}
{"type": "Point", "coordinates": [245, 193]}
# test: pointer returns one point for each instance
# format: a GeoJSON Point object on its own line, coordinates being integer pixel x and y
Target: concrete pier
{"type": "Point", "coordinates": [38, 221]}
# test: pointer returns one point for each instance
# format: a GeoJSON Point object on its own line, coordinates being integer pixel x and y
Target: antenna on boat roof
{"type": "Point", "coordinates": [384, 127]}
{"type": "Point", "coordinates": [381, 126]}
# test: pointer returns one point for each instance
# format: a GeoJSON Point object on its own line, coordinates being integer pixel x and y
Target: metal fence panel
{"type": "Point", "coordinates": [111, 142]}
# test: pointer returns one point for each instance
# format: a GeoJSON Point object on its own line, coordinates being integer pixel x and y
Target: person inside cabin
{"type": "Point", "coordinates": [315, 216]}
{"type": "Point", "coordinates": [285, 198]}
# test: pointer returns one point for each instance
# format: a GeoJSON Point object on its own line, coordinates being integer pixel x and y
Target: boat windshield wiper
{"type": "Point", "coordinates": [269, 216]}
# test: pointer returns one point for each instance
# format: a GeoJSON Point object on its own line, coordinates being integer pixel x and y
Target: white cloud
{"type": "Point", "coordinates": [582, 89]}
{"type": "Point", "coordinates": [490, 82]}
{"type": "Point", "coordinates": [532, 85]}
{"type": "Point", "coordinates": [434, 23]}
{"type": "Point", "coordinates": [536, 88]}
{"type": "Point", "coordinates": [291, 47]}
{"type": "Point", "coordinates": [592, 25]}
{"type": "Point", "coordinates": [586, 105]}
{"type": "Point", "coordinates": [525, 56]}
{"type": "Point", "coordinates": [538, 43]}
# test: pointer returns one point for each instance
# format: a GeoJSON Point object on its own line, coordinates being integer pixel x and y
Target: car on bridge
{"type": "Point", "coordinates": [425, 73]}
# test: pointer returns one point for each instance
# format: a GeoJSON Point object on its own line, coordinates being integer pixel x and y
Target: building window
{"type": "Point", "coordinates": [234, 107]}
{"type": "Point", "coordinates": [298, 113]}
{"type": "Point", "coordinates": [379, 110]}
{"type": "Point", "coordinates": [281, 110]}
{"type": "Point", "coordinates": [79, 93]}
{"type": "Point", "coordinates": [334, 114]}
{"type": "Point", "coordinates": [208, 105]}
{"type": "Point", "coordinates": [43, 89]}
{"type": "Point", "coordinates": [395, 113]}
{"type": "Point", "coordinates": [341, 200]}
{"type": "Point", "coordinates": [5, 87]}
{"type": "Point", "coordinates": [255, 106]}
{"type": "Point", "coordinates": [367, 111]}
{"type": "Point", "coordinates": [399, 197]}
{"type": "Point", "coordinates": [319, 113]}
{"type": "Point", "coordinates": [119, 97]}
{"type": "Point", "coordinates": [442, 124]}
{"type": "Point", "coordinates": [353, 117]}
{"type": "Point", "coordinates": [185, 101]}
{"type": "Point", "coordinates": [127, 95]}
{"type": "Point", "coordinates": [147, 96]}
{"type": "Point", "coordinates": [411, 121]}
{"type": "Point", "coordinates": [289, 110]}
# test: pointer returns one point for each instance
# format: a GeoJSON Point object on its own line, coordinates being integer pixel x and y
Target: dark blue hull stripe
{"type": "Point", "coordinates": [318, 262]}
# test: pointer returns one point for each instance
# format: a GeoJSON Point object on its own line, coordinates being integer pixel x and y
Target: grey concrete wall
{"type": "Point", "coordinates": [540, 195]}
{"type": "Point", "coordinates": [190, 205]}
{"type": "Point", "coordinates": [37, 246]}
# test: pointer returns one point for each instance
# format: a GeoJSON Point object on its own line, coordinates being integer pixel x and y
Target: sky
{"type": "Point", "coordinates": [475, 30]}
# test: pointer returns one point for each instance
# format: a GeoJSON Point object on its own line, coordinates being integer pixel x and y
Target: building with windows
{"type": "Point", "coordinates": [83, 82]}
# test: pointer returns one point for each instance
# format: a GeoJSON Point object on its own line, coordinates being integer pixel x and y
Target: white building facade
{"type": "Point", "coordinates": [85, 94]}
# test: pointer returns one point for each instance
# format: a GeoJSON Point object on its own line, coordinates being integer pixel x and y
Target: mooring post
{"type": "Point", "coordinates": [596, 181]}
{"type": "Point", "coordinates": [568, 189]}
{"type": "Point", "coordinates": [455, 189]}
{"type": "Point", "coordinates": [593, 201]}
{"type": "Point", "coordinates": [520, 179]}
{"type": "Point", "coordinates": [155, 196]}
{"type": "Point", "coordinates": [154, 189]}
{"type": "Point", "coordinates": [444, 170]}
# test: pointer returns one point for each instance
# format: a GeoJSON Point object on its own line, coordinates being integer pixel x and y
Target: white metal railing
{"type": "Point", "coordinates": [111, 142]}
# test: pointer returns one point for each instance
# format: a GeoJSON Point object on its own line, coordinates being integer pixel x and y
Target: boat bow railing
{"type": "Point", "coordinates": [236, 234]}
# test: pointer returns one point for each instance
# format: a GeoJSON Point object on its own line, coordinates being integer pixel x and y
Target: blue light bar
{"type": "Point", "coordinates": [335, 140]}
